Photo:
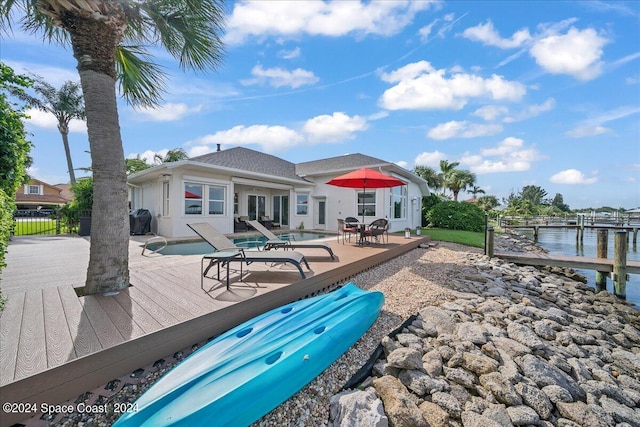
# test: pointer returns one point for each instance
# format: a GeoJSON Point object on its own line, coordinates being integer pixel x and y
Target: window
{"type": "Point", "coordinates": [216, 200]}
{"type": "Point", "coordinates": [203, 198]}
{"type": "Point", "coordinates": [398, 205]}
{"type": "Point", "coordinates": [165, 199]}
{"type": "Point", "coordinates": [236, 203]}
{"type": "Point", "coordinates": [367, 203]}
{"type": "Point", "coordinates": [302, 204]}
{"type": "Point", "coordinates": [193, 199]}
{"type": "Point", "coordinates": [33, 189]}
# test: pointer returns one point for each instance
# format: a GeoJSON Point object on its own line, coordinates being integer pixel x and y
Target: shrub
{"type": "Point", "coordinates": [456, 216]}
{"type": "Point", "coordinates": [427, 204]}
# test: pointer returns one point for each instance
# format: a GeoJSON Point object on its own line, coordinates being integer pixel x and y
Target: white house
{"type": "Point", "coordinates": [219, 185]}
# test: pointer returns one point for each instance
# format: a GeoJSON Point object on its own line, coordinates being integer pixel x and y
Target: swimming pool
{"type": "Point", "coordinates": [201, 247]}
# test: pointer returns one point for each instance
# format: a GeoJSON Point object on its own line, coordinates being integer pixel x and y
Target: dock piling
{"type": "Point", "coordinates": [602, 249]}
{"type": "Point", "coordinates": [620, 264]}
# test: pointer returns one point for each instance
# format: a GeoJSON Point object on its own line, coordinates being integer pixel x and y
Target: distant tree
{"type": "Point", "coordinates": [430, 175]}
{"type": "Point", "coordinates": [558, 202]}
{"type": "Point", "coordinates": [65, 104]}
{"type": "Point", "coordinates": [458, 180]}
{"type": "Point", "coordinates": [487, 203]}
{"type": "Point", "coordinates": [475, 190]}
{"type": "Point", "coordinates": [174, 155]}
{"type": "Point", "coordinates": [533, 193]}
{"type": "Point", "coordinates": [136, 165]}
{"type": "Point", "coordinates": [446, 168]}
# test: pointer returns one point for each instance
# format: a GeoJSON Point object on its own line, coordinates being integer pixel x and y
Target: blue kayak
{"type": "Point", "coordinates": [249, 370]}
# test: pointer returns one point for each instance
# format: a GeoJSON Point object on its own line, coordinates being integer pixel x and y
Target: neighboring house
{"type": "Point", "coordinates": [217, 186]}
{"type": "Point", "coordinates": [38, 197]}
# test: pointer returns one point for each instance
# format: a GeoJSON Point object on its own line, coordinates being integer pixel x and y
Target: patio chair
{"type": "Point", "coordinates": [274, 242]}
{"type": "Point", "coordinates": [345, 230]}
{"type": "Point", "coordinates": [268, 222]}
{"type": "Point", "coordinates": [377, 230]}
{"type": "Point", "coordinates": [226, 252]}
{"type": "Point", "coordinates": [239, 224]}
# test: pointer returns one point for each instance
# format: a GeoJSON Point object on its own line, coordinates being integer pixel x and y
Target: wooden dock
{"type": "Point", "coordinates": [597, 264]}
{"type": "Point", "coordinates": [55, 346]}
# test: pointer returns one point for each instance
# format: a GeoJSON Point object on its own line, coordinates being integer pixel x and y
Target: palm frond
{"type": "Point", "coordinates": [141, 81]}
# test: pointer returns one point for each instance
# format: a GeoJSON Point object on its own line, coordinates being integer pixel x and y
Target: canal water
{"type": "Point", "coordinates": [563, 241]}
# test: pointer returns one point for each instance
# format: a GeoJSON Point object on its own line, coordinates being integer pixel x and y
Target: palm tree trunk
{"type": "Point", "coordinates": [109, 252]}
{"type": "Point", "coordinates": [67, 151]}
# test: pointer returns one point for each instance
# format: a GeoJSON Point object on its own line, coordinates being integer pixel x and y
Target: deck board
{"type": "Point", "coordinates": [10, 325]}
{"type": "Point", "coordinates": [151, 307]}
{"type": "Point", "coordinates": [122, 320]}
{"type": "Point", "coordinates": [85, 340]}
{"type": "Point", "coordinates": [133, 309]}
{"type": "Point", "coordinates": [58, 339]}
{"type": "Point", "coordinates": [32, 356]}
{"type": "Point", "coordinates": [99, 321]}
{"type": "Point", "coordinates": [167, 283]}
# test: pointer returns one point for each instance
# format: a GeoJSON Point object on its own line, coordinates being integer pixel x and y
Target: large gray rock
{"type": "Point", "coordinates": [405, 358]}
{"type": "Point", "coordinates": [447, 402]}
{"type": "Point", "coordinates": [356, 408]}
{"type": "Point", "coordinates": [399, 406]}
{"type": "Point", "coordinates": [544, 374]}
{"type": "Point", "coordinates": [628, 363]}
{"type": "Point", "coordinates": [442, 319]}
{"type": "Point", "coordinates": [621, 413]}
{"type": "Point", "coordinates": [501, 389]}
{"type": "Point", "coordinates": [512, 347]}
{"type": "Point", "coordinates": [472, 332]}
{"type": "Point", "coordinates": [460, 376]}
{"type": "Point", "coordinates": [536, 399]}
{"type": "Point", "coordinates": [421, 383]}
{"type": "Point", "coordinates": [432, 363]}
{"type": "Point", "coordinates": [524, 335]}
{"type": "Point", "coordinates": [473, 419]}
{"type": "Point", "coordinates": [522, 415]}
{"type": "Point", "coordinates": [434, 414]}
{"type": "Point", "coordinates": [479, 363]}
{"type": "Point", "coordinates": [582, 414]}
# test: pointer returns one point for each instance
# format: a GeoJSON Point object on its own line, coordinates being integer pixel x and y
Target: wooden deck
{"type": "Point", "coordinates": [597, 264]}
{"type": "Point", "coordinates": [55, 346]}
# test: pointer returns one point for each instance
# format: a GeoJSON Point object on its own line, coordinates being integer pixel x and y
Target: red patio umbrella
{"type": "Point", "coordinates": [365, 178]}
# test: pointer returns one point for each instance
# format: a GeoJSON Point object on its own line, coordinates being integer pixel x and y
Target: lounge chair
{"type": "Point", "coordinates": [274, 242]}
{"type": "Point", "coordinates": [226, 252]}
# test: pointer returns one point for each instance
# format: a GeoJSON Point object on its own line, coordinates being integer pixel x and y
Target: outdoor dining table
{"type": "Point", "coordinates": [361, 228]}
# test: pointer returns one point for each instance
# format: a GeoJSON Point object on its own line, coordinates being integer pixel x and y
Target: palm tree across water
{"type": "Point", "coordinates": [65, 104]}
{"type": "Point", "coordinates": [174, 155]}
{"type": "Point", "coordinates": [458, 180]}
{"type": "Point", "coordinates": [475, 190]}
{"type": "Point", "coordinates": [109, 40]}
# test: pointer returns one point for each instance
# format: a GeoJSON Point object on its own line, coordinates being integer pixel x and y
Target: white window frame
{"type": "Point", "coordinates": [37, 188]}
{"type": "Point", "coordinates": [402, 198]}
{"type": "Point", "coordinates": [166, 193]}
{"type": "Point", "coordinates": [362, 206]}
{"type": "Point", "coordinates": [205, 199]}
{"type": "Point", "coordinates": [304, 204]}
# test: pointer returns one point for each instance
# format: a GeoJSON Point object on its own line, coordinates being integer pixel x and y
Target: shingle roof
{"type": "Point", "coordinates": [339, 163]}
{"type": "Point", "coordinates": [250, 160]}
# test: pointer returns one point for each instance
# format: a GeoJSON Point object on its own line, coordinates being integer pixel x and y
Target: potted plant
{"type": "Point", "coordinates": [407, 233]}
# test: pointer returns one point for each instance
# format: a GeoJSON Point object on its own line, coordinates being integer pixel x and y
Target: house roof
{"type": "Point", "coordinates": [52, 196]}
{"type": "Point", "coordinates": [338, 164]}
{"type": "Point", "coordinates": [251, 161]}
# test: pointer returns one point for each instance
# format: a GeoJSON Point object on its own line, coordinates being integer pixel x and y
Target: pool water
{"type": "Point", "coordinates": [201, 248]}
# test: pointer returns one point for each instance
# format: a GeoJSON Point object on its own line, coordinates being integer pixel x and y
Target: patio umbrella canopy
{"type": "Point", "coordinates": [365, 178]}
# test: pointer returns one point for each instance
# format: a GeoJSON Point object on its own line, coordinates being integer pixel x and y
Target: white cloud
{"type": "Point", "coordinates": [573, 176]}
{"type": "Point", "coordinates": [289, 54]}
{"type": "Point", "coordinates": [491, 112]}
{"type": "Point", "coordinates": [430, 159]}
{"type": "Point", "coordinates": [277, 77]}
{"type": "Point", "coordinates": [402, 164]}
{"type": "Point", "coordinates": [165, 113]}
{"type": "Point", "coordinates": [334, 128]}
{"type": "Point", "coordinates": [577, 53]}
{"type": "Point", "coordinates": [269, 138]}
{"type": "Point", "coordinates": [48, 121]}
{"type": "Point", "coordinates": [531, 111]}
{"type": "Point", "coordinates": [510, 155]}
{"type": "Point", "coordinates": [325, 128]}
{"type": "Point", "coordinates": [464, 129]}
{"type": "Point", "coordinates": [149, 156]}
{"type": "Point", "coordinates": [487, 35]}
{"type": "Point", "coordinates": [594, 125]}
{"type": "Point", "coordinates": [328, 18]}
{"type": "Point", "coordinates": [418, 86]}
{"type": "Point", "coordinates": [55, 76]}
{"type": "Point", "coordinates": [633, 80]}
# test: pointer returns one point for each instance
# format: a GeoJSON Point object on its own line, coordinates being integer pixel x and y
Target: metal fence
{"type": "Point", "coordinates": [46, 221]}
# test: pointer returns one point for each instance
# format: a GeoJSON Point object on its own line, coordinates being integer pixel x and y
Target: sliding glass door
{"type": "Point", "coordinates": [256, 206]}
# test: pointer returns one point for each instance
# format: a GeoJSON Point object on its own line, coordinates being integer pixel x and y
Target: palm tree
{"type": "Point", "coordinates": [486, 203]}
{"type": "Point", "coordinates": [446, 168]}
{"type": "Point", "coordinates": [65, 104]}
{"type": "Point", "coordinates": [458, 180]}
{"type": "Point", "coordinates": [475, 190]}
{"type": "Point", "coordinates": [430, 175]}
{"type": "Point", "coordinates": [173, 155]}
{"type": "Point", "coordinates": [97, 32]}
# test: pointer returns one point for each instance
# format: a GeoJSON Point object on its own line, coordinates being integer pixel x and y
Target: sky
{"type": "Point", "coordinates": [518, 92]}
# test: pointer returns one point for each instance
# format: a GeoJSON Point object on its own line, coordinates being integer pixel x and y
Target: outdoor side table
{"type": "Point", "coordinates": [218, 258]}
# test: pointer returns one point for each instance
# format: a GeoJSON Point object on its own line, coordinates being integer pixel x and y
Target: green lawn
{"type": "Point", "coordinates": [468, 238]}
{"type": "Point", "coordinates": [34, 226]}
